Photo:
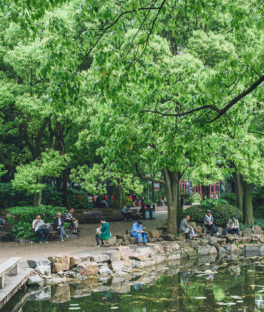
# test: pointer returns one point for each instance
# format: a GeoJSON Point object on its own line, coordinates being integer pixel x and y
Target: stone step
{"type": "Point", "coordinates": [13, 285]}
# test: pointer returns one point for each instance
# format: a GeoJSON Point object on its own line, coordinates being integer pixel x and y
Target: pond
{"type": "Point", "coordinates": [235, 285]}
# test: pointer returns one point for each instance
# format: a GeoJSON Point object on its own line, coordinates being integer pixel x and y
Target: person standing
{"type": "Point", "coordinates": [209, 223]}
{"type": "Point", "coordinates": [41, 229]}
{"type": "Point", "coordinates": [137, 232]}
{"type": "Point", "coordinates": [59, 224]}
{"type": "Point", "coordinates": [233, 226]}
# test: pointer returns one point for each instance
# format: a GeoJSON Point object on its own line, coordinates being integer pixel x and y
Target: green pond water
{"type": "Point", "coordinates": [236, 285]}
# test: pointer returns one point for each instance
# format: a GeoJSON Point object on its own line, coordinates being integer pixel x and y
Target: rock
{"type": "Point", "coordinates": [141, 253]}
{"type": "Point", "coordinates": [133, 240]}
{"type": "Point", "coordinates": [204, 241]}
{"type": "Point", "coordinates": [190, 252]}
{"type": "Point", "coordinates": [220, 230]}
{"type": "Point", "coordinates": [87, 268]}
{"type": "Point", "coordinates": [194, 243]}
{"type": "Point", "coordinates": [154, 234]}
{"type": "Point", "coordinates": [124, 237]}
{"type": "Point", "coordinates": [104, 270]}
{"type": "Point", "coordinates": [163, 228]}
{"type": "Point", "coordinates": [121, 266]}
{"type": "Point", "coordinates": [222, 250]}
{"type": "Point", "coordinates": [246, 232]}
{"type": "Point", "coordinates": [168, 237]}
{"type": "Point", "coordinates": [170, 247]}
{"type": "Point", "coordinates": [56, 280]}
{"type": "Point", "coordinates": [33, 263]}
{"type": "Point", "coordinates": [252, 250]}
{"type": "Point", "coordinates": [257, 230]}
{"type": "Point", "coordinates": [125, 252]}
{"type": "Point", "coordinates": [198, 230]}
{"type": "Point", "coordinates": [212, 240]}
{"type": "Point", "coordinates": [234, 249]}
{"type": "Point", "coordinates": [202, 251]}
{"type": "Point", "coordinates": [231, 238]}
{"type": "Point", "coordinates": [212, 250]}
{"type": "Point", "coordinates": [35, 280]}
{"type": "Point", "coordinates": [244, 239]}
{"type": "Point", "coordinates": [114, 254]}
{"type": "Point", "coordinates": [261, 239]}
{"type": "Point", "coordinates": [60, 263]}
{"type": "Point", "coordinates": [119, 242]}
{"type": "Point", "coordinates": [255, 238]}
{"type": "Point", "coordinates": [43, 269]}
{"type": "Point", "coordinates": [261, 250]}
{"type": "Point", "coordinates": [99, 258]}
{"type": "Point", "coordinates": [110, 242]}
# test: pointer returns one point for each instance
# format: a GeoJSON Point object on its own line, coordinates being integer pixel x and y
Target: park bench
{"type": "Point", "coordinates": [6, 232]}
{"type": "Point", "coordinates": [9, 267]}
{"type": "Point", "coordinates": [93, 216]}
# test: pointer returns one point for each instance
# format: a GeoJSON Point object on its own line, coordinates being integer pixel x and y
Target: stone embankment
{"type": "Point", "coordinates": [105, 263]}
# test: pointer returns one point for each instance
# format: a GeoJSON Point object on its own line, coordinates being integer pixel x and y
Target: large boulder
{"type": "Point", "coordinates": [87, 268]}
{"type": "Point", "coordinates": [141, 253]}
{"type": "Point", "coordinates": [43, 269]}
{"type": "Point", "coordinates": [252, 250]}
{"type": "Point", "coordinates": [246, 232]}
{"type": "Point", "coordinates": [104, 270]}
{"type": "Point", "coordinates": [154, 234]}
{"type": "Point", "coordinates": [33, 263]}
{"type": "Point", "coordinates": [257, 230]}
{"type": "Point", "coordinates": [114, 254]}
{"type": "Point", "coordinates": [212, 240]}
{"type": "Point", "coordinates": [121, 266]}
{"type": "Point", "coordinates": [110, 242]}
{"type": "Point", "coordinates": [35, 280]}
{"type": "Point", "coordinates": [60, 263]}
{"type": "Point", "coordinates": [261, 250]}
{"type": "Point", "coordinates": [203, 250]}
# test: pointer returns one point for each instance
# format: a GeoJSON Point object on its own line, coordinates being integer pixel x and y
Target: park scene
{"type": "Point", "coordinates": [131, 155]}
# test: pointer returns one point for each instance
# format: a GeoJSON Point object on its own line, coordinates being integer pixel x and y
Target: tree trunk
{"type": "Point", "coordinates": [37, 199]}
{"type": "Point", "coordinates": [239, 191]}
{"type": "Point", "coordinates": [172, 179]}
{"type": "Point", "coordinates": [247, 204]}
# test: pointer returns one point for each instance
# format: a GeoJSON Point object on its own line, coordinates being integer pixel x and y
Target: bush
{"type": "Point", "coordinates": [78, 199]}
{"type": "Point", "coordinates": [211, 202]}
{"type": "Point", "coordinates": [22, 218]}
{"type": "Point", "coordinates": [221, 213]}
{"type": "Point", "coordinates": [231, 198]}
{"type": "Point", "coordinates": [10, 197]}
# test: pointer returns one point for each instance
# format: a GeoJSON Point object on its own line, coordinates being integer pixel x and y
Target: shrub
{"type": "Point", "coordinates": [78, 199]}
{"type": "Point", "coordinates": [230, 197]}
{"type": "Point", "coordinates": [221, 213]}
{"type": "Point", "coordinates": [211, 202]}
{"type": "Point", "coordinates": [22, 218]}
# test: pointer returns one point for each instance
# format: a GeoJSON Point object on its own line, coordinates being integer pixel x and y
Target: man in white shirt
{"type": "Point", "coordinates": [40, 228]}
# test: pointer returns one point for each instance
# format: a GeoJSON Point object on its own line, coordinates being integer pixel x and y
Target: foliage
{"type": "Point", "coordinates": [231, 198]}
{"type": "Point", "coordinates": [221, 213]}
{"type": "Point", "coordinates": [10, 197]}
{"type": "Point", "coordinates": [78, 199]}
{"type": "Point", "coordinates": [211, 202]}
{"type": "Point", "coordinates": [28, 177]}
{"type": "Point", "coordinates": [22, 218]}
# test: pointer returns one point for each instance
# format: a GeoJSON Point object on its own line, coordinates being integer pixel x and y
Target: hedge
{"type": "Point", "coordinates": [221, 213]}
{"type": "Point", "coordinates": [22, 218]}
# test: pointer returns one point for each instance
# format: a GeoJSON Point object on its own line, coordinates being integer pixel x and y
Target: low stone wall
{"type": "Point", "coordinates": [123, 260]}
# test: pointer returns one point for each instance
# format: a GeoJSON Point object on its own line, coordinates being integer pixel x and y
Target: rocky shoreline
{"type": "Point", "coordinates": [105, 263]}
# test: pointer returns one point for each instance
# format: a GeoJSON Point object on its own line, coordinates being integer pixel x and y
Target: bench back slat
{"type": "Point", "coordinates": [8, 265]}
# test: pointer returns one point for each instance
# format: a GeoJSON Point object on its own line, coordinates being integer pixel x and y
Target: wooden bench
{"type": "Point", "coordinates": [9, 267]}
{"type": "Point", "coordinates": [6, 232]}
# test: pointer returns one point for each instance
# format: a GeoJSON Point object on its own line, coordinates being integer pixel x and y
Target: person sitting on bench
{"type": "Point", "coordinates": [103, 232]}
{"type": "Point", "coordinates": [209, 223]}
{"type": "Point", "coordinates": [74, 223]}
{"type": "Point", "coordinates": [138, 232]}
{"type": "Point", "coordinates": [41, 229]}
{"type": "Point", "coordinates": [186, 229]}
{"type": "Point", "coordinates": [233, 226]}
{"type": "Point", "coordinates": [59, 225]}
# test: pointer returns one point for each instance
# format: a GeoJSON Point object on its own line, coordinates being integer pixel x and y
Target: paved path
{"type": "Point", "coordinates": [84, 243]}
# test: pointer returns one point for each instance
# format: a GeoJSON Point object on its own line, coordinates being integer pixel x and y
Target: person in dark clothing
{"type": "Point", "coordinates": [59, 224]}
{"type": "Point", "coordinates": [209, 223]}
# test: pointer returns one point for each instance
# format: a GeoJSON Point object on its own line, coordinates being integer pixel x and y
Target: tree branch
{"type": "Point", "coordinates": [145, 178]}
{"type": "Point", "coordinates": [184, 113]}
{"type": "Point", "coordinates": [116, 21]}
{"type": "Point", "coordinates": [239, 97]}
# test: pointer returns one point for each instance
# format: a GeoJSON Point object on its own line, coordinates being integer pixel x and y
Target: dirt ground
{"type": "Point", "coordinates": [85, 242]}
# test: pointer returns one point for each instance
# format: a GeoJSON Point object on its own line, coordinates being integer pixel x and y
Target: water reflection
{"type": "Point", "coordinates": [197, 285]}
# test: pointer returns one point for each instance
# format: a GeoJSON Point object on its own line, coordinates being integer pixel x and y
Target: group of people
{"type": "Point", "coordinates": [103, 232]}
{"type": "Point", "coordinates": [42, 229]}
{"type": "Point", "coordinates": [231, 228]}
